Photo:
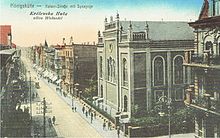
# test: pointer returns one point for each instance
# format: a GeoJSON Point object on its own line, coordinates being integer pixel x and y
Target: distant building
{"type": "Point", "coordinates": [204, 61]}
{"type": "Point", "coordinates": [66, 65]}
{"type": "Point", "coordinates": [75, 64]}
{"type": "Point", "coordinates": [6, 37]}
{"type": "Point", "coordinates": [14, 121]}
{"type": "Point", "coordinates": [138, 62]}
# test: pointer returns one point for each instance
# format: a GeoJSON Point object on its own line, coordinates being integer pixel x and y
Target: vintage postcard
{"type": "Point", "coordinates": [107, 68]}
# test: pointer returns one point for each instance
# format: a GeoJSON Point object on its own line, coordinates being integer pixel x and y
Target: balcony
{"type": "Point", "coordinates": [110, 26]}
{"type": "Point", "coordinates": [203, 102]}
{"type": "Point", "coordinates": [100, 40]}
{"type": "Point", "coordinates": [205, 59]}
{"type": "Point", "coordinates": [139, 36]}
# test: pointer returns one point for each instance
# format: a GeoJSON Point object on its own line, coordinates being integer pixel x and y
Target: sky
{"type": "Point", "coordinates": [83, 23]}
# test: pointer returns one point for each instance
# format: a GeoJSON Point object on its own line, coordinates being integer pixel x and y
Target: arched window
{"type": "Point", "coordinates": [110, 66]}
{"type": "Point", "coordinates": [113, 69]}
{"type": "Point", "coordinates": [179, 94]}
{"type": "Point", "coordinates": [209, 46]}
{"type": "Point", "coordinates": [158, 71]}
{"type": "Point", "coordinates": [125, 103]}
{"type": "Point", "coordinates": [100, 66]}
{"type": "Point", "coordinates": [125, 72]}
{"type": "Point", "coordinates": [219, 48]}
{"type": "Point", "coordinates": [178, 70]}
{"type": "Point", "coordinates": [101, 91]}
{"type": "Point", "coordinates": [108, 69]}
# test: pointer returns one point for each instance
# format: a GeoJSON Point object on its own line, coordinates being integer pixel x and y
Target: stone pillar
{"type": "Point", "coordinates": [169, 74]}
{"type": "Point", "coordinates": [148, 77]}
{"type": "Point", "coordinates": [130, 33]}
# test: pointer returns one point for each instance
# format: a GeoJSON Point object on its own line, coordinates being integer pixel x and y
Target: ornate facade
{"type": "Point", "coordinates": [138, 62]}
{"type": "Point", "coordinates": [204, 60]}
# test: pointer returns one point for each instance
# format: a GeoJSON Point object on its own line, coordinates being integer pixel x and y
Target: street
{"type": "Point", "coordinates": [68, 123]}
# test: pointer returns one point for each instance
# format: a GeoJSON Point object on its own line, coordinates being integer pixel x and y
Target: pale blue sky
{"type": "Point", "coordinates": [83, 24]}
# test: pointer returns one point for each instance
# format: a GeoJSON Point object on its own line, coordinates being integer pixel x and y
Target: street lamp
{"type": "Point", "coordinates": [30, 95]}
{"type": "Point", "coordinates": [168, 101]}
{"type": "Point", "coordinates": [80, 94]}
{"type": "Point", "coordinates": [72, 98]}
{"type": "Point", "coordinates": [75, 89]}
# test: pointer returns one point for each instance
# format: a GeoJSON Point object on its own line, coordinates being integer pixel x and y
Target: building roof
{"type": "Point", "coordinates": [161, 30]}
{"type": "Point", "coordinates": [206, 22]}
{"type": "Point", "coordinates": [5, 31]}
{"type": "Point", "coordinates": [205, 10]}
{"type": "Point", "coordinates": [49, 50]}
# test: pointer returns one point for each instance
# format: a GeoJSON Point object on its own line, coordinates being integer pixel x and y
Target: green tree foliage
{"type": "Point", "coordinates": [91, 91]}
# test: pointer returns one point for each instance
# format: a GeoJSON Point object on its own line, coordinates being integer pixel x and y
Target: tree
{"type": "Point", "coordinates": [91, 91]}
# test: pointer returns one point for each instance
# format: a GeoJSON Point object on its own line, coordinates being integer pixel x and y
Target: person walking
{"type": "Point", "coordinates": [90, 109]}
{"type": "Point", "coordinates": [104, 125]}
{"type": "Point", "coordinates": [86, 114]}
{"type": "Point", "coordinates": [91, 117]}
{"type": "Point", "coordinates": [118, 132]}
{"type": "Point", "coordinates": [54, 119]}
{"type": "Point", "coordinates": [75, 108]}
{"type": "Point", "coordinates": [109, 125]}
{"type": "Point", "coordinates": [83, 109]}
{"type": "Point", "coordinates": [95, 114]}
{"type": "Point", "coordinates": [49, 122]}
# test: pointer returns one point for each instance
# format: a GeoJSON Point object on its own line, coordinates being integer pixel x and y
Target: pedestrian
{"type": "Point", "coordinates": [95, 114]}
{"type": "Point", "coordinates": [86, 114]}
{"type": "Point", "coordinates": [104, 125]}
{"type": "Point", "coordinates": [118, 132]}
{"type": "Point", "coordinates": [49, 122]}
{"type": "Point", "coordinates": [54, 119]}
{"type": "Point", "coordinates": [75, 108]}
{"type": "Point", "coordinates": [72, 108]}
{"type": "Point", "coordinates": [91, 117]}
{"type": "Point", "coordinates": [33, 96]}
{"type": "Point", "coordinates": [90, 110]}
{"type": "Point", "coordinates": [109, 125]}
{"type": "Point", "coordinates": [36, 94]}
{"type": "Point", "coordinates": [83, 109]}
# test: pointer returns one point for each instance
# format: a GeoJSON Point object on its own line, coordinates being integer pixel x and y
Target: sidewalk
{"type": "Point", "coordinates": [188, 135]}
{"type": "Point", "coordinates": [96, 123]}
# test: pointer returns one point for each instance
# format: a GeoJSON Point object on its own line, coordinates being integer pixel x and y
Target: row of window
{"type": "Point", "coordinates": [69, 54]}
{"type": "Point", "coordinates": [110, 68]}
{"type": "Point", "coordinates": [214, 9]}
{"type": "Point", "coordinates": [209, 47]}
{"type": "Point", "coordinates": [158, 71]}
{"type": "Point", "coordinates": [178, 94]}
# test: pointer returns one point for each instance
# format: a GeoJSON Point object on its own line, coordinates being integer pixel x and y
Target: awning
{"type": "Point", "coordinates": [7, 52]}
{"type": "Point", "coordinates": [58, 81]}
{"type": "Point", "coordinates": [50, 75]}
{"type": "Point", "coordinates": [54, 78]}
{"type": "Point", "coordinates": [40, 69]}
{"type": "Point", "coordinates": [46, 73]}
